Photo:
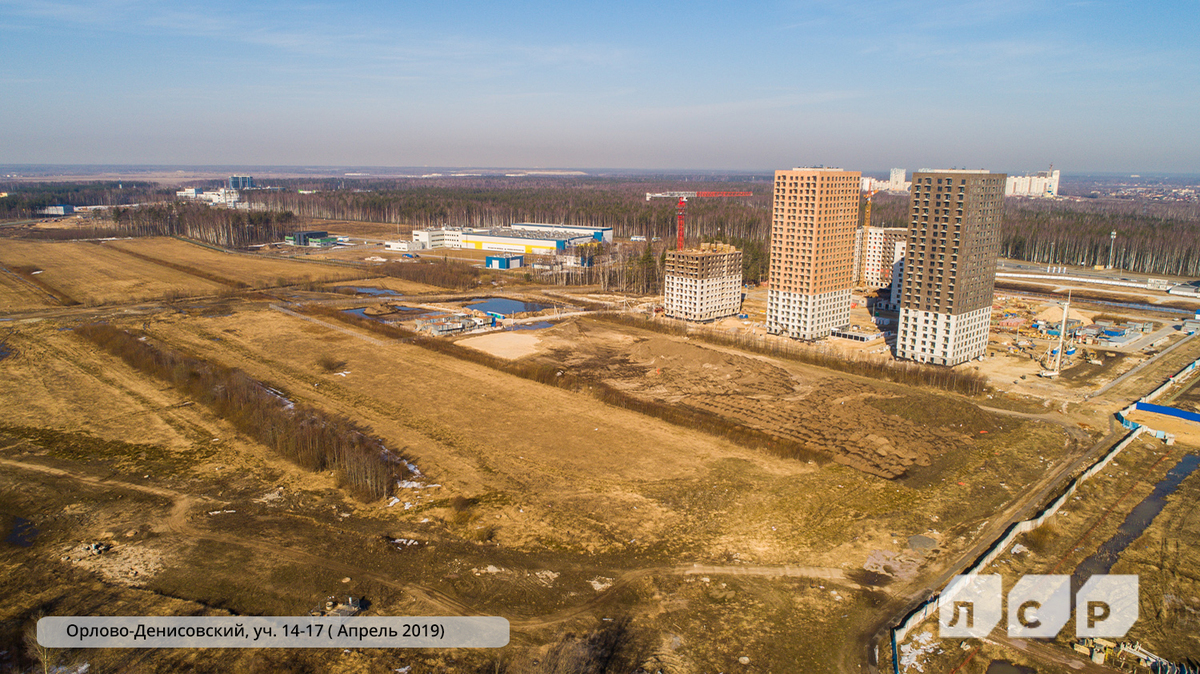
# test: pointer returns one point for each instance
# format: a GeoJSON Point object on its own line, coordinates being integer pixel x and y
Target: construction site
{"type": "Point", "coordinates": [621, 487]}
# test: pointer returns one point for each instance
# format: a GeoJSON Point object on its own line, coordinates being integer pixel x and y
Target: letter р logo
{"type": "Point", "coordinates": [1106, 606]}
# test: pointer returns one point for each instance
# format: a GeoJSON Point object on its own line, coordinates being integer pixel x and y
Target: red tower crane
{"type": "Point", "coordinates": [683, 197]}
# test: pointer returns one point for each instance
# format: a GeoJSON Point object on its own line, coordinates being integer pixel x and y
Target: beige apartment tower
{"type": "Point", "coordinates": [705, 284]}
{"type": "Point", "coordinates": [813, 225]}
{"type": "Point", "coordinates": [950, 265]}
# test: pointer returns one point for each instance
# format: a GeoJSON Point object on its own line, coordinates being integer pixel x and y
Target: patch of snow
{"type": "Point", "coordinates": [600, 583]}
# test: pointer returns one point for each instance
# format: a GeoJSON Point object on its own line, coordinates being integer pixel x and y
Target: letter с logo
{"type": "Point", "coordinates": [1039, 606]}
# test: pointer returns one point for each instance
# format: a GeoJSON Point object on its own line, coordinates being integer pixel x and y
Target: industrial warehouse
{"type": "Point", "coordinates": [529, 238]}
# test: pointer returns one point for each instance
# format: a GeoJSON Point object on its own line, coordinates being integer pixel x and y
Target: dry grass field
{"type": "Point", "coordinates": [552, 509]}
{"type": "Point", "coordinates": [365, 230]}
{"type": "Point", "coordinates": [89, 273]}
{"type": "Point", "coordinates": [255, 271]}
{"type": "Point", "coordinates": [539, 504]}
{"type": "Point", "coordinates": [18, 295]}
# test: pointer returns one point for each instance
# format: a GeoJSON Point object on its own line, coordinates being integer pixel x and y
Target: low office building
{"type": "Point", "coordinates": [310, 238]}
{"type": "Point", "coordinates": [705, 284]}
{"type": "Point", "coordinates": [505, 261]}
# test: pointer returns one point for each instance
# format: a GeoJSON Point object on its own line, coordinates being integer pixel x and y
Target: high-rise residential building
{"type": "Point", "coordinates": [813, 222]}
{"type": "Point", "coordinates": [703, 285]}
{"type": "Point", "coordinates": [896, 180]}
{"type": "Point", "coordinates": [950, 265]}
{"type": "Point", "coordinates": [881, 247]}
{"type": "Point", "coordinates": [1040, 184]}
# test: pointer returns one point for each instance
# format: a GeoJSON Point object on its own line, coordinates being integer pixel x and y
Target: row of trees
{"type": "Point", "coordinates": [496, 202]}
{"type": "Point", "coordinates": [309, 437]}
{"type": "Point", "coordinates": [24, 200]}
{"type": "Point", "coordinates": [1151, 238]}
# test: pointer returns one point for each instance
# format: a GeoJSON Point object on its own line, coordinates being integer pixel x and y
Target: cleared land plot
{"type": "Point", "coordinates": [251, 270]}
{"type": "Point", "coordinates": [553, 509]}
{"type": "Point", "coordinates": [510, 345]}
{"type": "Point", "coordinates": [885, 430]}
{"type": "Point", "coordinates": [88, 273]}
{"type": "Point", "coordinates": [366, 230]}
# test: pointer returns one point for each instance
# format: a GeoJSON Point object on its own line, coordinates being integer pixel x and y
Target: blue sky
{"type": "Point", "coordinates": [1015, 85]}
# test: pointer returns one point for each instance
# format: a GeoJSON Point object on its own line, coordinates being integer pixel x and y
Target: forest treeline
{"type": "Point", "coordinates": [497, 202]}
{"type": "Point", "coordinates": [223, 227]}
{"type": "Point", "coordinates": [1153, 237]}
{"type": "Point", "coordinates": [24, 200]}
{"type": "Point", "coordinates": [311, 438]}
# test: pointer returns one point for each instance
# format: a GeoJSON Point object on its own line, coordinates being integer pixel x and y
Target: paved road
{"type": "Point", "coordinates": [1103, 389]}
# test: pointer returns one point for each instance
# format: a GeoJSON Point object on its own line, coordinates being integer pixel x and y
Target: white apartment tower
{"type": "Point", "coordinates": [949, 265]}
{"type": "Point", "coordinates": [813, 223]}
{"type": "Point", "coordinates": [703, 285]}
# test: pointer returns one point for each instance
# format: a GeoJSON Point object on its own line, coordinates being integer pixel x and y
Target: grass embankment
{"type": "Point", "coordinates": [310, 438]}
{"type": "Point", "coordinates": [902, 372]}
{"type": "Point", "coordinates": [553, 376]}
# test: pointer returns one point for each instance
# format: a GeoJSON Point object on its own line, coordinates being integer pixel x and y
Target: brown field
{"type": "Point", "coordinates": [571, 510]}
{"type": "Point", "coordinates": [538, 503]}
{"type": "Point", "coordinates": [886, 430]}
{"type": "Point", "coordinates": [254, 271]}
{"type": "Point", "coordinates": [88, 273]}
{"type": "Point", "coordinates": [366, 230]}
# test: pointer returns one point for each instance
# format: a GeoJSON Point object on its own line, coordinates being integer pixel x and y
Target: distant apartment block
{"type": "Point", "coordinates": [881, 248]}
{"type": "Point", "coordinates": [1040, 184]}
{"type": "Point", "coordinates": [813, 222]}
{"type": "Point", "coordinates": [240, 183]}
{"type": "Point", "coordinates": [705, 284]}
{"type": "Point", "coordinates": [949, 265]}
{"type": "Point", "coordinates": [894, 183]}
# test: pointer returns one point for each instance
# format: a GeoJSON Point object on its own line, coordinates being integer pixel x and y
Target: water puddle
{"type": "Point", "coordinates": [23, 533]}
{"type": "Point", "coordinates": [1006, 667]}
{"type": "Point", "coordinates": [537, 325]}
{"type": "Point", "coordinates": [1135, 524]}
{"type": "Point", "coordinates": [505, 306]}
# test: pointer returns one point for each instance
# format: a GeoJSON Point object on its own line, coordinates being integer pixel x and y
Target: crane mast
{"type": "Point", "coordinates": [681, 205]}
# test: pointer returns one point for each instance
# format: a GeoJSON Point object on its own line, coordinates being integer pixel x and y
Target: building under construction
{"type": "Point", "coordinates": [705, 284]}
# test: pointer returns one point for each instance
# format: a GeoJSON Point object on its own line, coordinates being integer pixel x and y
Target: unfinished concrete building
{"type": "Point", "coordinates": [881, 248]}
{"type": "Point", "coordinates": [705, 284]}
